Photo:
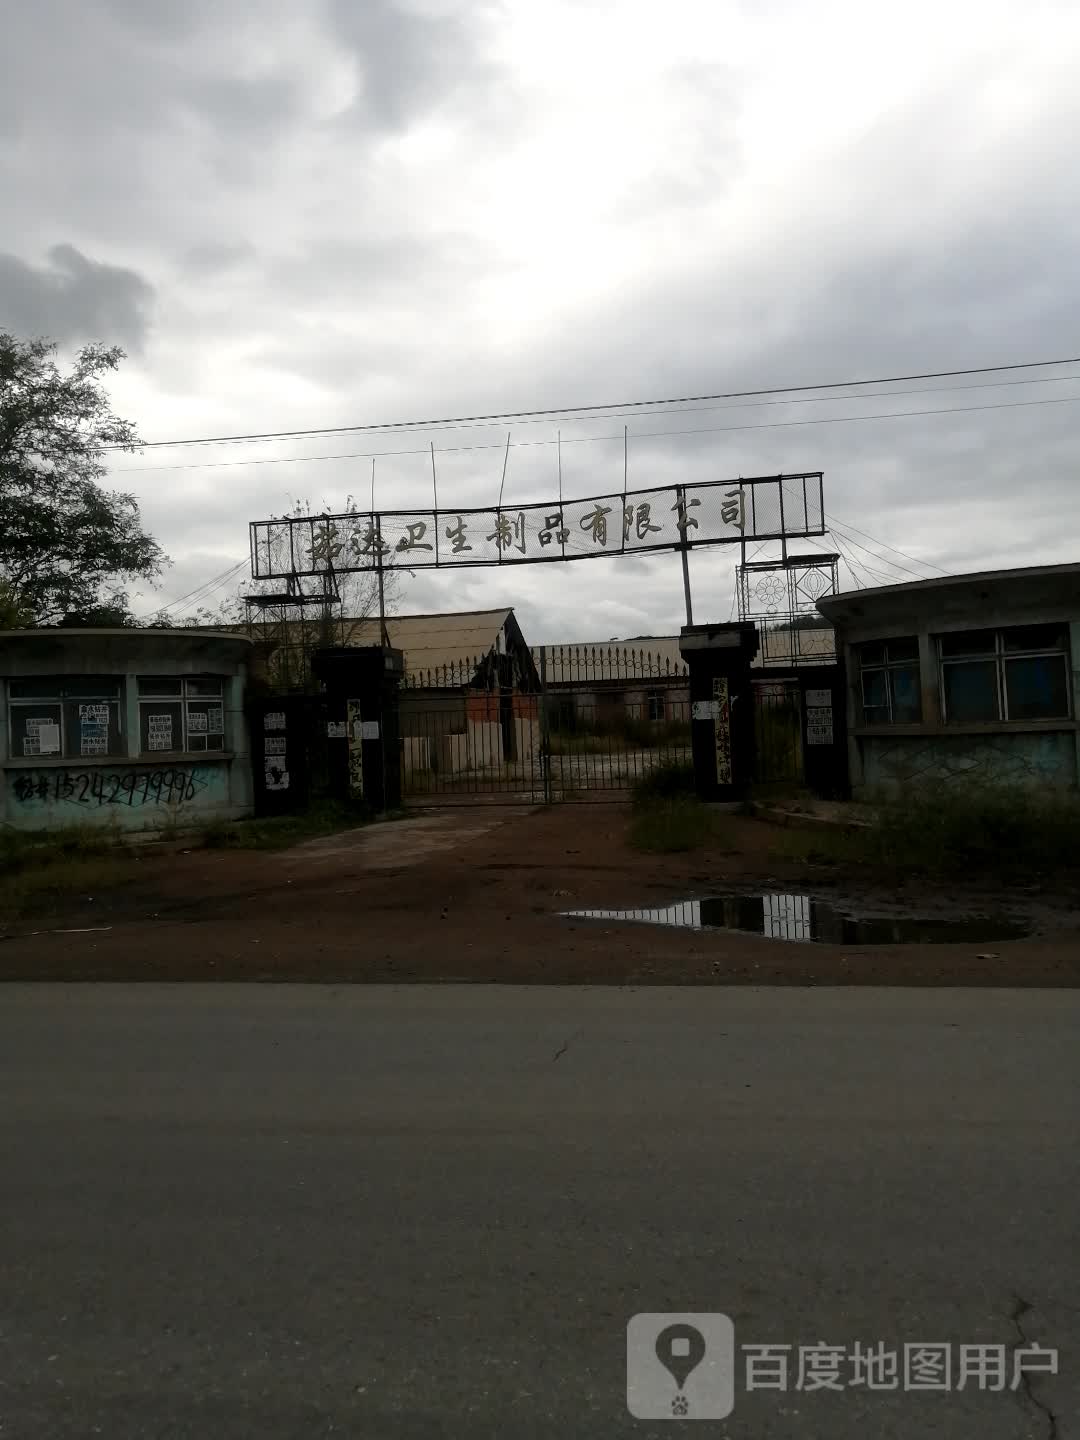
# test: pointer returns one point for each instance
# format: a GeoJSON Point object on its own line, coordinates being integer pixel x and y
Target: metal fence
{"type": "Point", "coordinates": [601, 720]}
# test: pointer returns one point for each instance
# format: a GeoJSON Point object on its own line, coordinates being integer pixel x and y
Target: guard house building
{"type": "Point", "coordinates": [965, 679]}
{"type": "Point", "coordinates": [128, 728]}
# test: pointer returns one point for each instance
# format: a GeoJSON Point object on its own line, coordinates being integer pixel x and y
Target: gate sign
{"type": "Point", "coordinates": [770, 507]}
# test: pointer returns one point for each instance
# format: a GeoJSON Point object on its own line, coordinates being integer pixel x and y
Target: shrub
{"type": "Point", "coordinates": [673, 780]}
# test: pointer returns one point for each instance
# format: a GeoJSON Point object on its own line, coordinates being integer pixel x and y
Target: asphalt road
{"type": "Point", "coordinates": [300, 1211]}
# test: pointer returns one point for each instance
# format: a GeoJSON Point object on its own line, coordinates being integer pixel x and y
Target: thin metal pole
{"type": "Point", "coordinates": [684, 551]}
{"type": "Point", "coordinates": [625, 467]}
{"type": "Point", "coordinates": [435, 493]}
{"type": "Point", "coordinates": [506, 457]}
{"type": "Point", "coordinates": [383, 632]}
{"type": "Point", "coordinates": [545, 729]}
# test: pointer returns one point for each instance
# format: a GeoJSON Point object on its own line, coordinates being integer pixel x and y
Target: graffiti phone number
{"type": "Point", "coordinates": [133, 787]}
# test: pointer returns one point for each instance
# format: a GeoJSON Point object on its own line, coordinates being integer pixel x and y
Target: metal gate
{"type": "Point", "coordinates": [602, 719]}
{"type": "Point", "coordinates": [778, 732]}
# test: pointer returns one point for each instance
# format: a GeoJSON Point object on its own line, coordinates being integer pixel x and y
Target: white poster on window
{"type": "Point", "coordinates": [42, 736]}
{"type": "Point", "coordinates": [275, 774]}
{"type": "Point", "coordinates": [274, 720]}
{"type": "Point", "coordinates": [94, 740]}
{"type": "Point", "coordinates": [819, 726]}
{"type": "Point", "coordinates": [159, 732]}
{"type": "Point", "coordinates": [215, 720]}
{"type": "Point", "coordinates": [94, 714]}
{"type": "Point", "coordinates": [274, 745]}
{"type": "Point", "coordinates": [196, 720]}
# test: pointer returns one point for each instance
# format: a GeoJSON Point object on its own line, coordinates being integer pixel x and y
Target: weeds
{"type": "Point", "coordinates": [666, 782]}
{"type": "Point", "coordinates": [39, 867]}
{"type": "Point", "coordinates": [666, 827]}
{"type": "Point", "coordinates": [282, 831]}
{"type": "Point", "coordinates": [973, 834]}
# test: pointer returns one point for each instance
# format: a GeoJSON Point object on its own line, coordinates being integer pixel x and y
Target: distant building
{"type": "Point", "coordinates": [968, 678]}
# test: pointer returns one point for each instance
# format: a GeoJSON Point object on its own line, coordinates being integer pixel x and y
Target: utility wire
{"type": "Point", "coordinates": [202, 591]}
{"type": "Point", "coordinates": [621, 405]}
{"type": "Point", "coordinates": [596, 439]}
{"type": "Point", "coordinates": [664, 408]}
{"type": "Point", "coordinates": [835, 528]}
{"type": "Point", "coordinates": [928, 563]}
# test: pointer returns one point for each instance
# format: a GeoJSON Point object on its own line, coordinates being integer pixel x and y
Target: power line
{"type": "Point", "coordinates": [662, 409]}
{"type": "Point", "coordinates": [836, 528]}
{"type": "Point", "coordinates": [621, 405]}
{"type": "Point", "coordinates": [596, 439]}
{"type": "Point", "coordinates": [203, 591]}
{"type": "Point", "coordinates": [929, 564]}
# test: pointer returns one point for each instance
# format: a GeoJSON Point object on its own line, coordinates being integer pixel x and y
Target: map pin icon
{"type": "Point", "coordinates": [680, 1349]}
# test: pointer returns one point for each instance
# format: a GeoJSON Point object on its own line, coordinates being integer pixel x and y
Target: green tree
{"type": "Point", "coordinates": [66, 543]}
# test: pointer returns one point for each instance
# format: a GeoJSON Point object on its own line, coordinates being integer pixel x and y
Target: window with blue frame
{"type": "Point", "coordinates": [1021, 673]}
{"type": "Point", "coordinates": [889, 673]}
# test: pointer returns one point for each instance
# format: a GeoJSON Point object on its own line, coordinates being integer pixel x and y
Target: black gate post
{"type": "Point", "coordinates": [721, 707]}
{"type": "Point", "coordinates": [545, 731]}
{"type": "Point", "coordinates": [281, 742]}
{"type": "Point", "coordinates": [825, 754]}
{"type": "Point", "coordinates": [362, 722]}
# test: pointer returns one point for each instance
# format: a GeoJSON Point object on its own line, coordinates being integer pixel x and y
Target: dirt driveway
{"type": "Point", "coordinates": [477, 894]}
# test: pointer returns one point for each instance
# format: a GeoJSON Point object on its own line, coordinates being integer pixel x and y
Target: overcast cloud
{"type": "Point", "coordinates": [313, 214]}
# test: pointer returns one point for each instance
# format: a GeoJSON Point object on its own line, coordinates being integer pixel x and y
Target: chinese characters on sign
{"type": "Point", "coordinates": [42, 737]}
{"type": "Point", "coordinates": [668, 517]}
{"type": "Point", "coordinates": [93, 729]}
{"type": "Point", "coordinates": [723, 730]}
{"type": "Point", "coordinates": [355, 735]}
{"type": "Point", "coordinates": [159, 732]}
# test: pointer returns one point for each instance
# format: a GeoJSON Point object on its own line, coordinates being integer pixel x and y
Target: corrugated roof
{"type": "Point", "coordinates": [431, 641]}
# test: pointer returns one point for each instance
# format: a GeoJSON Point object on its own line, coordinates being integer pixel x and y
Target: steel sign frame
{"type": "Point", "coordinates": [630, 522]}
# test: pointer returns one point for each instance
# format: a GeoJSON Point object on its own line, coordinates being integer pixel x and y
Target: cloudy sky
{"type": "Point", "coordinates": [334, 212]}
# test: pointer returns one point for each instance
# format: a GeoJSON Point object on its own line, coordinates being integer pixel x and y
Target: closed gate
{"type": "Point", "coordinates": [601, 720]}
{"type": "Point", "coordinates": [778, 732]}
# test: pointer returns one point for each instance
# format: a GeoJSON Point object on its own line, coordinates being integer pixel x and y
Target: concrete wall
{"type": "Point", "coordinates": [1034, 760]}
{"type": "Point", "coordinates": [127, 791]}
{"type": "Point", "coordinates": [485, 745]}
{"type": "Point", "coordinates": [528, 738]}
{"type": "Point", "coordinates": [1040, 754]}
{"type": "Point", "coordinates": [416, 752]}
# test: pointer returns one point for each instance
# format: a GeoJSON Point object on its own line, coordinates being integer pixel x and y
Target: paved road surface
{"type": "Point", "coordinates": [289, 1212]}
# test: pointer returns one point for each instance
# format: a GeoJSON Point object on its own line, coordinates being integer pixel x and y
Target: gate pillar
{"type": "Point", "coordinates": [362, 705]}
{"type": "Point", "coordinates": [721, 707]}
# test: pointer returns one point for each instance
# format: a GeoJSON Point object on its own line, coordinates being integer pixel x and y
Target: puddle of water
{"type": "Point", "coordinates": [799, 917]}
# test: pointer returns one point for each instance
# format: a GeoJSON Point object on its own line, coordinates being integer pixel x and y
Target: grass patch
{"type": "Point", "coordinates": [971, 835]}
{"type": "Point", "coordinates": [674, 780]}
{"type": "Point", "coordinates": [33, 849]}
{"type": "Point", "coordinates": [668, 826]}
{"type": "Point", "coordinates": [38, 868]}
{"type": "Point", "coordinates": [279, 832]}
